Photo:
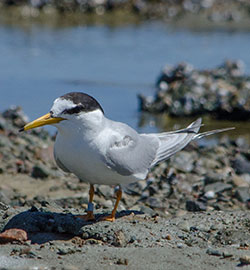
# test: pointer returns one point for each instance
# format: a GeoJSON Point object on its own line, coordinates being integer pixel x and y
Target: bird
{"type": "Point", "coordinates": [102, 151]}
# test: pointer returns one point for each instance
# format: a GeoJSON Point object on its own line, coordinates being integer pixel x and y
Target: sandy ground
{"type": "Point", "coordinates": [205, 240]}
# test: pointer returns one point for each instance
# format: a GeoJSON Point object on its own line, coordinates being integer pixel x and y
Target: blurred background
{"type": "Point", "coordinates": [117, 49]}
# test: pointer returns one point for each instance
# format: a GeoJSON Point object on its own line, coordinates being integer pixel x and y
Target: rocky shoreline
{"type": "Point", "coordinates": [214, 11]}
{"type": "Point", "coordinates": [196, 205]}
{"type": "Point", "coordinates": [182, 90]}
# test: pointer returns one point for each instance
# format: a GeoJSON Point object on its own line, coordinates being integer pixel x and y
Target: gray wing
{"type": "Point", "coordinates": [131, 153]}
{"type": "Point", "coordinates": [173, 141]}
{"type": "Point", "coordinates": [136, 154]}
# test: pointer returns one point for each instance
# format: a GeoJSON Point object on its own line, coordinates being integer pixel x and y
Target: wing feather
{"type": "Point", "coordinates": [173, 141]}
{"type": "Point", "coordinates": [131, 153]}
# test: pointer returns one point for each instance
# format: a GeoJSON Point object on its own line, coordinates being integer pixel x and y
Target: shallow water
{"type": "Point", "coordinates": [114, 64]}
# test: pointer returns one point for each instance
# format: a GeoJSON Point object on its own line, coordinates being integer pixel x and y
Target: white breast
{"type": "Point", "coordinates": [81, 145]}
{"type": "Point", "coordinates": [84, 159]}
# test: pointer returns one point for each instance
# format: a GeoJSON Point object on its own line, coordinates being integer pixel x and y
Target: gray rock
{"type": "Point", "coordinates": [67, 250]}
{"type": "Point", "coordinates": [183, 161]}
{"type": "Point", "coordinates": [154, 202]}
{"type": "Point", "coordinates": [214, 252]}
{"type": "Point", "coordinates": [105, 191]}
{"type": "Point", "coordinates": [147, 210]}
{"type": "Point", "coordinates": [212, 177]}
{"type": "Point", "coordinates": [184, 226]}
{"type": "Point", "coordinates": [242, 194]}
{"type": "Point", "coordinates": [217, 187]}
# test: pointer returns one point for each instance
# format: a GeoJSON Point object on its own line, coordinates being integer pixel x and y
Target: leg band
{"type": "Point", "coordinates": [90, 207]}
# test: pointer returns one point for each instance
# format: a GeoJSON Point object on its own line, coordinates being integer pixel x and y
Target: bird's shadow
{"type": "Point", "coordinates": [42, 226]}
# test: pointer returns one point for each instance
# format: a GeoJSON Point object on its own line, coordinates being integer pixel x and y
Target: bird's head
{"type": "Point", "coordinates": [73, 107]}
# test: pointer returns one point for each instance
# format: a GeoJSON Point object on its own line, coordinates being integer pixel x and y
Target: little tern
{"type": "Point", "coordinates": [101, 151]}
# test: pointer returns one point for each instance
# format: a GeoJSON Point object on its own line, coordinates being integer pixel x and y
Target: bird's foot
{"type": "Point", "coordinates": [88, 217]}
{"type": "Point", "coordinates": [110, 218]}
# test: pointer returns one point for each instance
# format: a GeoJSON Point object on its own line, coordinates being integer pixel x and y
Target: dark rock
{"type": "Point", "coordinates": [195, 206]}
{"type": "Point", "coordinates": [241, 165]}
{"type": "Point", "coordinates": [39, 171]}
{"type": "Point", "coordinates": [37, 221]}
{"type": "Point", "coordinates": [17, 116]}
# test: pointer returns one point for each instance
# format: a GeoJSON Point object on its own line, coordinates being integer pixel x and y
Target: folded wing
{"type": "Point", "coordinates": [173, 141]}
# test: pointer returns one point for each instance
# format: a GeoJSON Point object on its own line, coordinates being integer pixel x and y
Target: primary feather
{"type": "Point", "coordinates": [173, 141]}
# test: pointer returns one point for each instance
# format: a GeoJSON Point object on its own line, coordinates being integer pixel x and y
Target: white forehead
{"type": "Point", "coordinates": [60, 105]}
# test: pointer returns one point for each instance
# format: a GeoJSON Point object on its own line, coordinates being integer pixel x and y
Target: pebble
{"type": "Point", "coordinates": [121, 261]}
{"type": "Point", "coordinates": [214, 252]}
{"type": "Point", "coordinates": [67, 250]}
{"type": "Point", "coordinates": [180, 245]}
{"type": "Point", "coordinates": [227, 254]}
{"type": "Point", "coordinates": [210, 194]}
{"type": "Point", "coordinates": [3, 206]}
{"type": "Point", "coordinates": [184, 226]}
{"type": "Point", "coordinates": [12, 235]}
{"type": "Point", "coordinates": [39, 171]}
{"type": "Point", "coordinates": [245, 260]}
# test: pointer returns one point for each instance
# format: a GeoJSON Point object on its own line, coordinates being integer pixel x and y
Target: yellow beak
{"type": "Point", "coordinates": [47, 119]}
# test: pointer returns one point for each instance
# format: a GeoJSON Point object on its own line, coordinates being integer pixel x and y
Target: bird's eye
{"type": "Point", "coordinates": [74, 110]}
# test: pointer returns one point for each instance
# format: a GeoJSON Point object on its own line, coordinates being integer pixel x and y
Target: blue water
{"type": "Point", "coordinates": [38, 63]}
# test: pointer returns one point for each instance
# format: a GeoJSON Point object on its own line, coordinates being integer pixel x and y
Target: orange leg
{"type": "Point", "coordinates": [89, 215]}
{"type": "Point", "coordinates": [112, 216]}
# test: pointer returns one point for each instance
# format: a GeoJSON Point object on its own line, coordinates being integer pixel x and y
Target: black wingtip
{"type": "Point", "coordinates": [21, 130]}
